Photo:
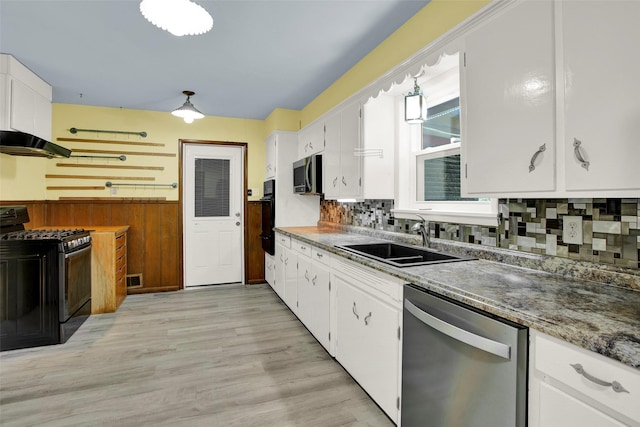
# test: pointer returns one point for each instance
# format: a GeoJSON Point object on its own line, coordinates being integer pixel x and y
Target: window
{"type": "Point", "coordinates": [428, 156]}
{"type": "Point", "coordinates": [438, 163]}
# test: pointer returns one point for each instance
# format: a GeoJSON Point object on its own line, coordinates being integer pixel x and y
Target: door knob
{"type": "Point", "coordinates": [238, 223]}
{"type": "Point", "coordinates": [238, 214]}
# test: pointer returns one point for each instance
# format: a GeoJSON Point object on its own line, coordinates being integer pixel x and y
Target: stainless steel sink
{"type": "Point", "coordinates": [400, 255]}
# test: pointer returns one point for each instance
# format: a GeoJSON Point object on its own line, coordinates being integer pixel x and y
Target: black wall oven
{"type": "Point", "coordinates": [45, 282]}
{"type": "Point", "coordinates": [269, 217]}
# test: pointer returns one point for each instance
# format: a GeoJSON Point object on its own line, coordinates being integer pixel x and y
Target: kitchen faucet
{"type": "Point", "coordinates": [423, 229]}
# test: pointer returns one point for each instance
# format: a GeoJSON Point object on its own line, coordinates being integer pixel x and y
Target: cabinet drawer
{"type": "Point", "coordinates": [382, 286]}
{"type": "Point", "coordinates": [283, 240]}
{"type": "Point", "coordinates": [559, 361]}
{"type": "Point", "coordinates": [121, 262]}
{"type": "Point", "coordinates": [321, 256]}
{"type": "Point", "coordinates": [301, 247]}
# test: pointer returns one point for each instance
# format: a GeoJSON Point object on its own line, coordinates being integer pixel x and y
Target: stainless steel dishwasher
{"type": "Point", "coordinates": [461, 367]}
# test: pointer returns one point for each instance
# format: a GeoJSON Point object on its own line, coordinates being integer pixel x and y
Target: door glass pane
{"type": "Point", "coordinates": [212, 187]}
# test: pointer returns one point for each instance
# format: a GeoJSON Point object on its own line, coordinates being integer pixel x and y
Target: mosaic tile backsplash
{"type": "Point", "coordinates": [610, 227]}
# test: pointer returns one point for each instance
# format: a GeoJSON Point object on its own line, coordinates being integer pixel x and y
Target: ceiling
{"type": "Point", "coordinates": [260, 55]}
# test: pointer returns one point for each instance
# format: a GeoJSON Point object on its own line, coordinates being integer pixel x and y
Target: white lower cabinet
{"type": "Point", "coordinates": [368, 338]}
{"type": "Point", "coordinates": [270, 270]}
{"type": "Point", "coordinates": [314, 295]}
{"type": "Point", "coordinates": [282, 265]}
{"type": "Point", "coordinates": [291, 279]}
{"type": "Point", "coordinates": [573, 387]}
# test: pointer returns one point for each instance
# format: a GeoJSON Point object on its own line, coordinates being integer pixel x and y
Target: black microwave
{"type": "Point", "coordinates": [307, 175]}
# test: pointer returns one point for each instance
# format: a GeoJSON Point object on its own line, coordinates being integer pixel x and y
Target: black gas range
{"type": "Point", "coordinates": [45, 281]}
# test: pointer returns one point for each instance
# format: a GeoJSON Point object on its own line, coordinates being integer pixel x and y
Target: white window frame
{"type": "Point", "coordinates": [406, 202]}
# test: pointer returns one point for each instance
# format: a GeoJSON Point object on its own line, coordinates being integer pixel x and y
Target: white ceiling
{"type": "Point", "coordinates": [260, 55]}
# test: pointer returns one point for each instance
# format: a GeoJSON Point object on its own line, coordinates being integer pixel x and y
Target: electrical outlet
{"type": "Point", "coordinates": [572, 230]}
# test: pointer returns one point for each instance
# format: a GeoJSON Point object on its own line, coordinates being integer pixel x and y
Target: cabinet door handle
{"type": "Point", "coordinates": [532, 165]}
{"type": "Point", "coordinates": [306, 275]}
{"type": "Point", "coordinates": [302, 248]}
{"type": "Point", "coordinates": [318, 254]}
{"type": "Point", "coordinates": [576, 151]}
{"type": "Point", "coordinates": [355, 311]}
{"type": "Point", "coordinates": [615, 385]}
{"type": "Point", "coordinates": [335, 181]}
{"type": "Point", "coordinates": [286, 261]}
{"type": "Point", "coordinates": [344, 181]}
{"type": "Point", "coordinates": [281, 260]}
{"type": "Point", "coordinates": [366, 319]}
{"type": "Point", "coordinates": [314, 280]}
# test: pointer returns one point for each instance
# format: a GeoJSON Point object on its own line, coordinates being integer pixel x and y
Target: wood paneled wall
{"type": "Point", "coordinates": [153, 242]}
{"type": "Point", "coordinates": [254, 272]}
{"type": "Point", "coordinates": [154, 239]}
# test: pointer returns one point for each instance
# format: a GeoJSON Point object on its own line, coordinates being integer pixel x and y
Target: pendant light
{"type": "Point", "coordinates": [187, 111]}
{"type": "Point", "coordinates": [415, 105]}
{"type": "Point", "coordinates": [179, 17]}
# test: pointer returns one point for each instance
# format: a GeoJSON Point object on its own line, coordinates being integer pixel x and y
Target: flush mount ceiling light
{"type": "Point", "coordinates": [415, 105]}
{"type": "Point", "coordinates": [187, 111]}
{"type": "Point", "coordinates": [179, 17]}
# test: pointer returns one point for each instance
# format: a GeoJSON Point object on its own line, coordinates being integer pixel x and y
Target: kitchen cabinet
{"type": "Point", "coordinates": [270, 270]}
{"type": "Point", "coordinates": [368, 338]}
{"type": "Point", "coordinates": [600, 112]}
{"type": "Point", "coordinates": [378, 138]}
{"type": "Point", "coordinates": [314, 290]}
{"type": "Point", "coordinates": [282, 249]}
{"type": "Point", "coordinates": [311, 139]}
{"type": "Point", "coordinates": [564, 388]}
{"type": "Point", "coordinates": [287, 272]}
{"type": "Point", "coordinates": [508, 102]}
{"type": "Point", "coordinates": [291, 210]}
{"type": "Point", "coordinates": [342, 162]}
{"type": "Point", "coordinates": [544, 116]}
{"type": "Point", "coordinates": [270, 157]}
{"type": "Point", "coordinates": [25, 99]}
{"type": "Point", "coordinates": [108, 267]}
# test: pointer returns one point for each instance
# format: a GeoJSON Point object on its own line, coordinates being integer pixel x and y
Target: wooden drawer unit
{"type": "Point", "coordinates": [108, 268]}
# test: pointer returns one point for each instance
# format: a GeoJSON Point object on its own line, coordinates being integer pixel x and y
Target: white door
{"type": "Point", "coordinates": [213, 214]}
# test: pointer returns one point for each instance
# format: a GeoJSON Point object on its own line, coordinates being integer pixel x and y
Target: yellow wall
{"type": "Point", "coordinates": [23, 178]}
{"type": "Point", "coordinates": [282, 119]}
{"type": "Point", "coordinates": [432, 21]}
{"type": "Point", "coordinates": [161, 128]}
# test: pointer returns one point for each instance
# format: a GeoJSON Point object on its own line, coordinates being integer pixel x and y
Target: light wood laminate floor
{"type": "Point", "coordinates": [214, 356]}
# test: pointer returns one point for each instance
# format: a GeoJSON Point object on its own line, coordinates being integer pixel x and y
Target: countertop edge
{"type": "Point", "coordinates": [574, 335]}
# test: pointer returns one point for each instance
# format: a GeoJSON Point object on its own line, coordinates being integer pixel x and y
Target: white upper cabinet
{"type": "Point", "coordinates": [293, 210]}
{"type": "Point", "coordinates": [331, 157]}
{"type": "Point", "coordinates": [311, 140]}
{"type": "Point", "coordinates": [25, 103]}
{"type": "Point", "coordinates": [350, 162]}
{"type": "Point", "coordinates": [548, 101]}
{"type": "Point", "coordinates": [602, 94]}
{"type": "Point", "coordinates": [270, 157]}
{"type": "Point", "coordinates": [508, 102]}
{"type": "Point", "coordinates": [378, 137]}
{"type": "Point", "coordinates": [342, 164]}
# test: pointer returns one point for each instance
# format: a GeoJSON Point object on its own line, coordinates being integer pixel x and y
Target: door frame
{"type": "Point", "coordinates": [245, 224]}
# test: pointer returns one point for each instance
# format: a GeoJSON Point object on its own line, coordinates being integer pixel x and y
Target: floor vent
{"type": "Point", "coordinates": [134, 281]}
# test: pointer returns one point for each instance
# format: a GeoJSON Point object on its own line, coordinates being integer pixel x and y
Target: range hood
{"type": "Point", "coordinates": [25, 144]}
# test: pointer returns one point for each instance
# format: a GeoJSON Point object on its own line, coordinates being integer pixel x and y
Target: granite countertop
{"type": "Point", "coordinates": [600, 317]}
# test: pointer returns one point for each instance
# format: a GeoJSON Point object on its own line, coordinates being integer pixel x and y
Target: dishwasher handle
{"type": "Point", "coordinates": [494, 347]}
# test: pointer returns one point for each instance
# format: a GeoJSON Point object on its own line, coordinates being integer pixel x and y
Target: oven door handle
{"type": "Point", "coordinates": [494, 347]}
{"type": "Point", "coordinates": [78, 252]}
